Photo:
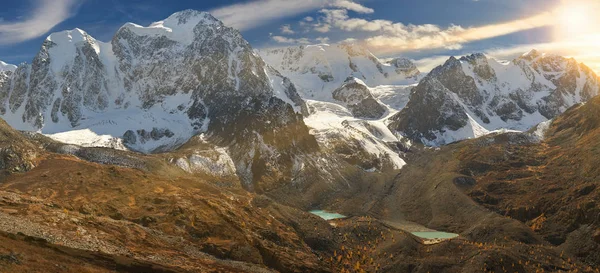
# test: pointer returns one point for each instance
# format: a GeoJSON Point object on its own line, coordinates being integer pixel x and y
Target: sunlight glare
{"type": "Point", "coordinates": [576, 18]}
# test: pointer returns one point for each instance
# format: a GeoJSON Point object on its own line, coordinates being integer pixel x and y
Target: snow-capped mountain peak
{"type": "Point", "coordinates": [474, 95]}
{"type": "Point", "coordinates": [350, 93]}
{"type": "Point", "coordinates": [68, 36]}
{"type": "Point", "coordinates": [317, 70]}
{"type": "Point", "coordinates": [7, 67]}
{"type": "Point", "coordinates": [532, 54]}
{"type": "Point", "coordinates": [178, 27]}
{"type": "Point", "coordinates": [150, 88]}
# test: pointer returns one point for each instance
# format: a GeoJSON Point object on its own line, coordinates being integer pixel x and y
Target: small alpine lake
{"type": "Point", "coordinates": [435, 235]}
{"type": "Point", "coordinates": [327, 215]}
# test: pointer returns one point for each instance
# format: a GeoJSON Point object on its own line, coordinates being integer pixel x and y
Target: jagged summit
{"type": "Point", "coordinates": [320, 69]}
{"type": "Point", "coordinates": [7, 67]}
{"type": "Point", "coordinates": [475, 95]}
{"type": "Point", "coordinates": [72, 36]}
{"type": "Point", "coordinates": [350, 93]}
{"type": "Point", "coordinates": [179, 27]}
{"type": "Point", "coordinates": [149, 89]}
{"type": "Point", "coordinates": [474, 57]}
{"type": "Point", "coordinates": [532, 54]}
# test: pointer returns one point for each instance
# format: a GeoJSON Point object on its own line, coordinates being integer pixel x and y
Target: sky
{"type": "Point", "coordinates": [427, 31]}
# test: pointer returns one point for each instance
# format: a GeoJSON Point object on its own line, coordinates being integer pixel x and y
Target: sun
{"type": "Point", "coordinates": [577, 17]}
{"type": "Point", "coordinates": [574, 18]}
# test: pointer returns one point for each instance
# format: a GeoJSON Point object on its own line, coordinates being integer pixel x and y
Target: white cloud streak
{"type": "Point", "coordinates": [252, 14]}
{"type": "Point", "coordinates": [392, 37]}
{"type": "Point", "coordinates": [256, 13]}
{"type": "Point", "coordinates": [287, 29]}
{"type": "Point", "coordinates": [353, 6]}
{"type": "Point", "coordinates": [583, 49]}
{"type": "Point", "coordinates": [45, 16]}
{"type": "Point", "coordinates": [286, 40]}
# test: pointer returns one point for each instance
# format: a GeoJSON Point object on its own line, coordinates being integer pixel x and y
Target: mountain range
{"type": "Point", "coordinates": [177, 147]}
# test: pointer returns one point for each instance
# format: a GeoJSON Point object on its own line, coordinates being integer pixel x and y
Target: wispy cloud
{"type": "Point", "coordinates": [256, 13]}
{"type": "Point", "coordinates": [45, 15]}
{"type": "Point", "coordinates": [583, 49]}
{"type": "Point", "coordinates": [393, 37]}
{"type": "Point", "coordinates": [287, 29]}
{"type": "Point", "coordinates": [287, 40]}
{"type": "Point", "coordinates": [350, 5]}
{"type": "Point", "coordinates": [429, 63]}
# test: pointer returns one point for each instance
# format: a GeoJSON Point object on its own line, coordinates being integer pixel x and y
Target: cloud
{"type": "Point", "coordinates": [393, 37]}
{"type": "Point", "coordinates": [584, 49]}
{"type": "Point", "coordinates": [323, 40]}
{"type": "Point", "coordinates": [323, 28]}
{"type": "Point", "coordinates": [265, 11]}
{"type": "Point", "coordinates": [349, 5]}
{"type": "Point", "coordinates": [286, 40]}
{"type": "Point", "coordinates": [427, 64]}
{"type": "Point", "coordinates": [256, 13]}
{"type": "Point", "coordinates": [287, 29]}
{"type": "Point", "coordinates": [45, 15]}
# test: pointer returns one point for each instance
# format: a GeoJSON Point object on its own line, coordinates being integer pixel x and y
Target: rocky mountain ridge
{"type": "Point", "coordinates": [7, 67]}
{"type": "Point", "coordinates": [350, 93]}
{"type": "Point", "coordinates": [149, 88]}
{"type": "Point", "coordinates": [317, 70]}
{"type": "Point", "coordinates": [474, 95]}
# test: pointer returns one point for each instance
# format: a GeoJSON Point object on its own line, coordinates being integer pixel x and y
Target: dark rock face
{"type": "Point", "coordinates": [5, 77]}
{"type": "Point", "coordinates": [264, 141]}
{"type": "Point", "coordinates": [429, 111]}
{"type": "Point", "coordinates": [332, 64]}
{"type": "Point", "coordinates": [517, 95]}
{"type": "Point", "coordinates": [17, 154]}
{"type": "Point", "coordinates": [405, 66]}
{"type": "Point", "coordinates": [161, 87]}
{"type": "Point", "coordinates": [358, 99]}
{"type": "Point", "coordinates": [203, 66]}
{"type": "Point", "coordinates": [290, 90]}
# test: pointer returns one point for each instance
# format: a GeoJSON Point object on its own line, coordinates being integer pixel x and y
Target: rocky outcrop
{"type": "Point", "coordinates": [346, 109]}
{"type": "Point", "coordinates": [155, 87]}
{"type": "Point", "coordinates": [405, 66]}
{"type": "Point", "coordinates": [473, 95]}
{"type": "Point", "coordinates": [323, 68]}
{"type": "Point", "coordinates": [151, 89]}
{"type": "Point", "coordinates": [7, 67]}
{"type": "Point", "coordinates": [358, 99]}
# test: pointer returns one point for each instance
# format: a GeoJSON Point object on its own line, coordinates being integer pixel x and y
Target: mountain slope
{"type": "Point", "coordinates": [7, 67]}
{"type": "Point", "coordinates": [149, 89]}
{"type": "Point", "coordinates": [67, 214]}
{"type": "Point", "coordinates": [317, 70]}
{"type": "Point", "coordinates": [550, 186]}
{"type": "Point", "coordinates": [471, 96]}
{"type": "Point", "coordinates": [350, 93]}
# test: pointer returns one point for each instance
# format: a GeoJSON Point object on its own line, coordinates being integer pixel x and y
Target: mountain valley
{"type": "Point", "coordinates": [178, 147]}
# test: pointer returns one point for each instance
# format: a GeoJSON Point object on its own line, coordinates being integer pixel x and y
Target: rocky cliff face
{"type": "Point", "coordinates": [358, 99]}
{"type": "Point", "coordinates": [7, 67]}
{"type": "Point", "coordinates": [346, 108]}
{"type": "Point", "coordinates": [473, 95]}
{"type": "Point", "coordinates": [317, 70]}
{"type": "Point", "coordinates": [152, 88]}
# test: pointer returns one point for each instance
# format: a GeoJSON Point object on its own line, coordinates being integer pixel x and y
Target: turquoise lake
{"type": "Point", "coordinates": [425, 235]}
{"type": "Point", "coordinates": [327, 215]}
{"type": "Point", "coordinates": [435, 235]}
